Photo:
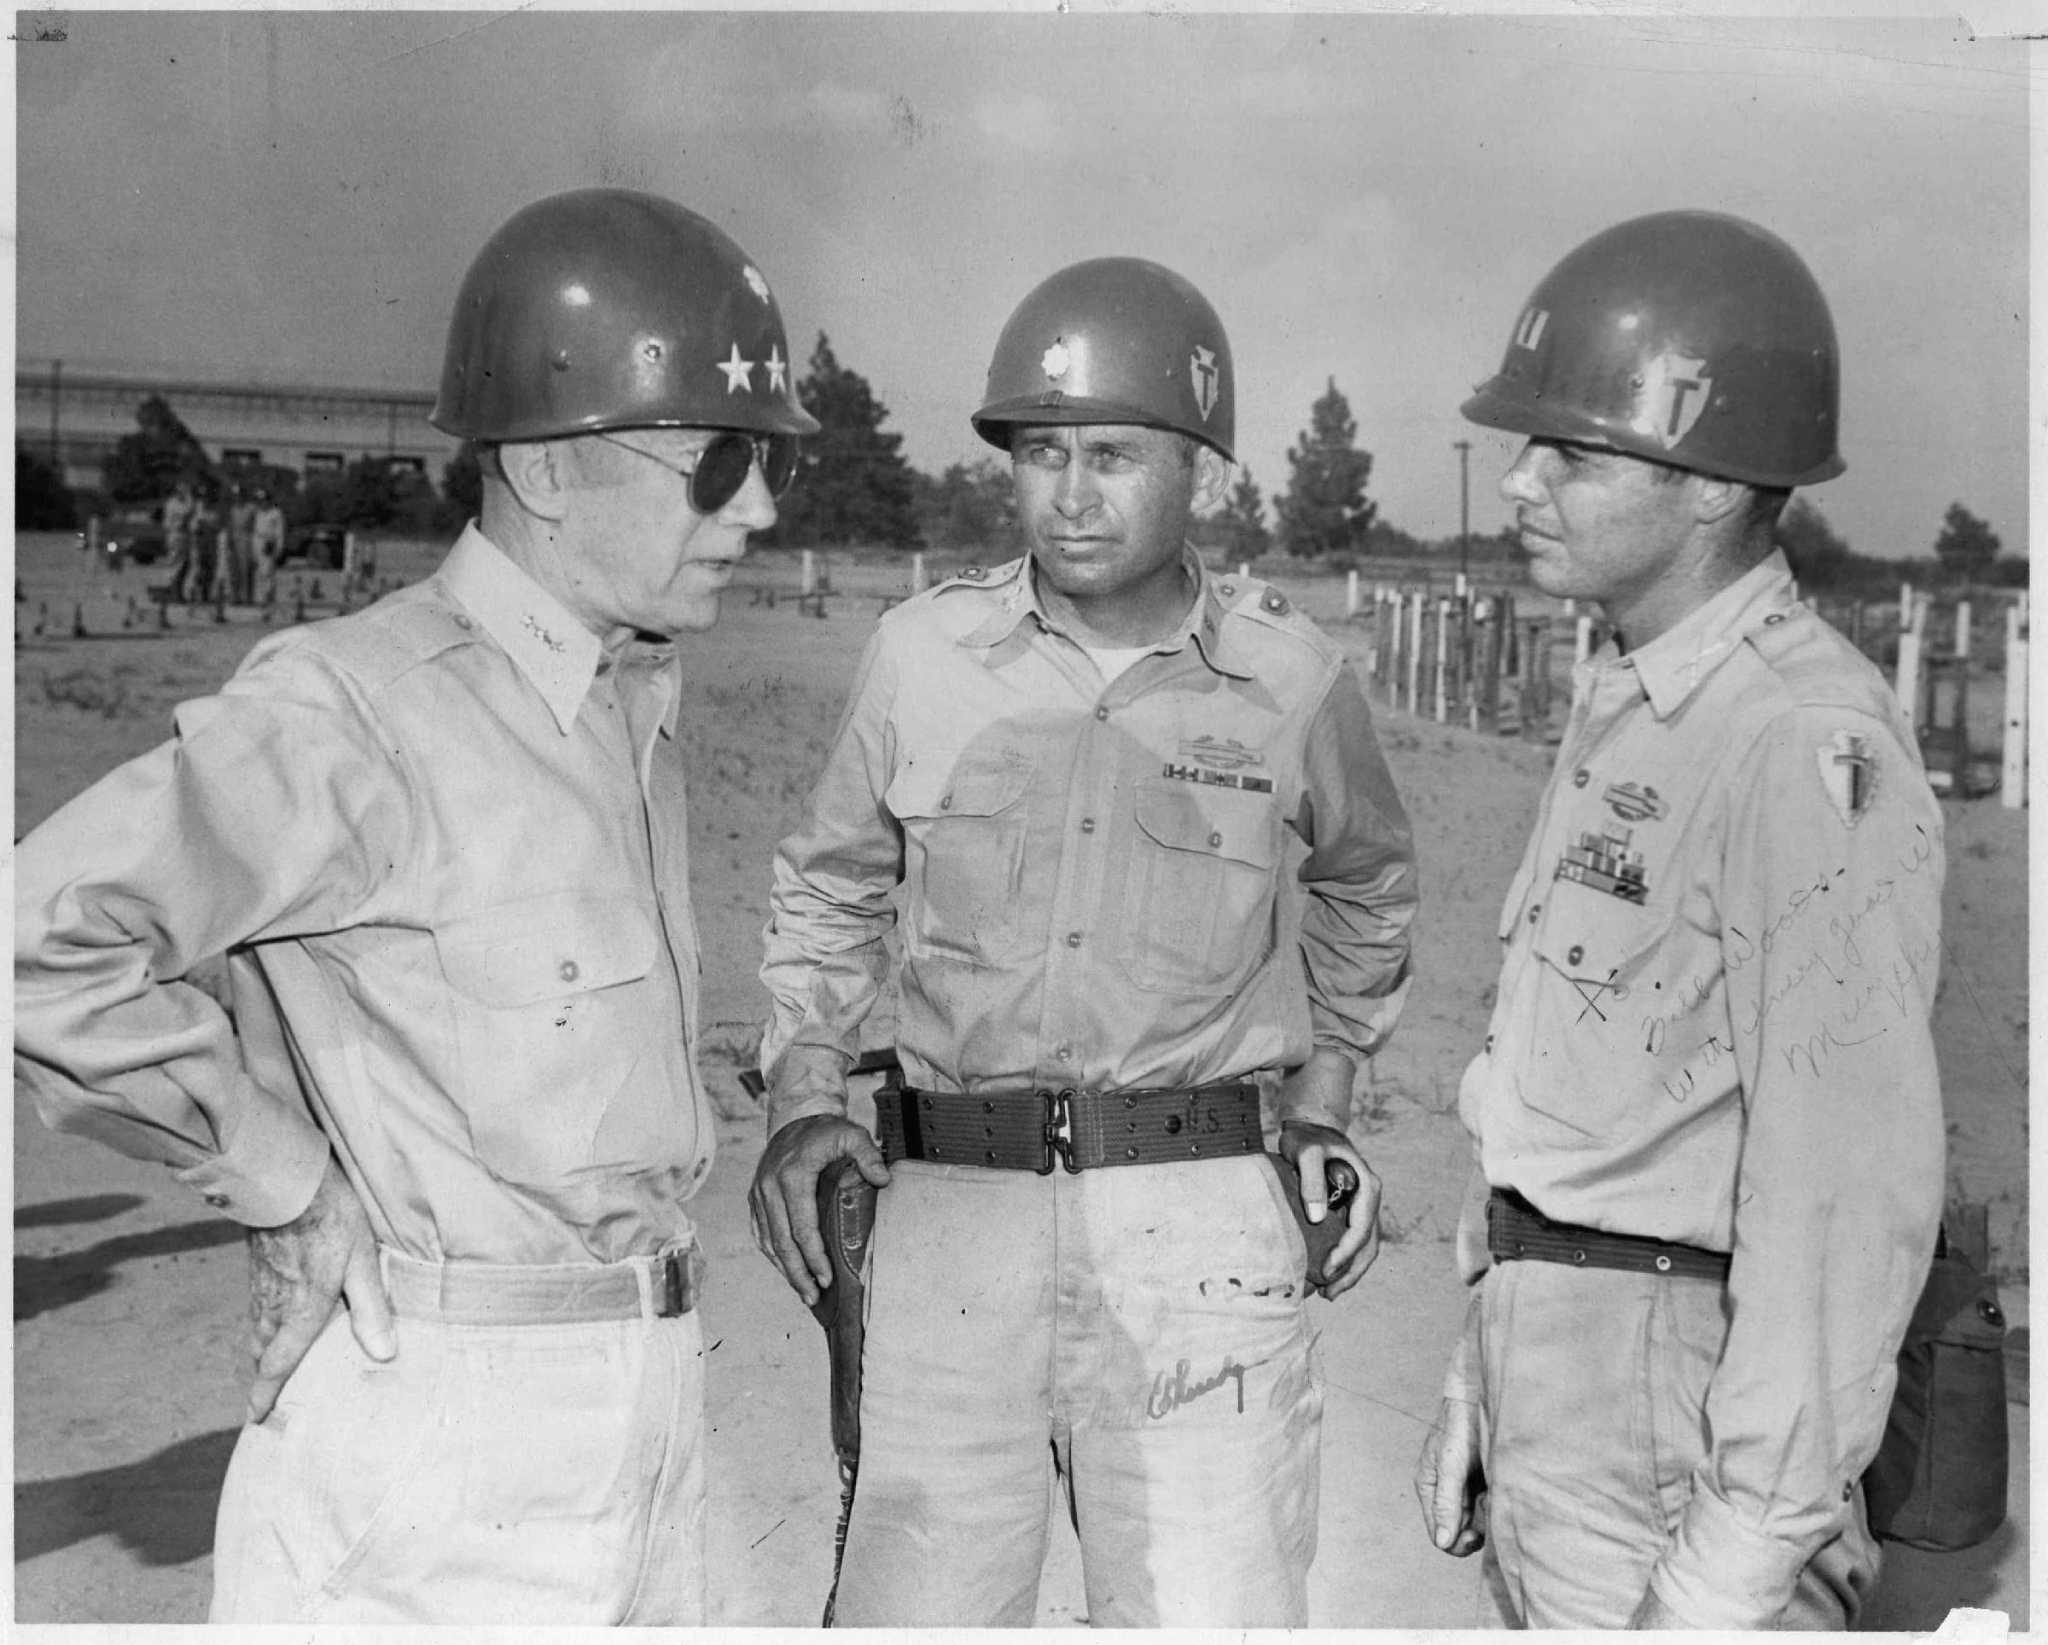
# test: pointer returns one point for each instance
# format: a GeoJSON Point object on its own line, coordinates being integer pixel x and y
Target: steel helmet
{"type": "Point", "coordinates": [1690, 337]}
{"type": "Point", "coordinates": [1113, 340]}
{"type": "Point", "coordinates": [607, 308]}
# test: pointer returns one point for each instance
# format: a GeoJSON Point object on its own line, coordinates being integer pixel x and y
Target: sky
{"type": "Point", "coordinates": [294, 196]}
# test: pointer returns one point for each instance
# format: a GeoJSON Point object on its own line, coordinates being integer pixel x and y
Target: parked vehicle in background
{"type": "Point", "coordinates": [319, 546]}
{"type": "Point", "coordinates": [135, 535]}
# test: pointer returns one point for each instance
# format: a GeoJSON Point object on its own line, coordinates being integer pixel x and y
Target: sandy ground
{"type": "Point", "coordinates": [129, 1296]}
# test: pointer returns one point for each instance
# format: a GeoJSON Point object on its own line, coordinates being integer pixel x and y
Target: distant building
{"type": "Point", "coordinates": [76, 415]}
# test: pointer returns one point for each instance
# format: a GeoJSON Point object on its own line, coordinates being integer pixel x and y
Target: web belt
{"type": "Point", "coordinates": [1082, 1130]}
{"type": "Point", "coordinates": [1517, 1231]}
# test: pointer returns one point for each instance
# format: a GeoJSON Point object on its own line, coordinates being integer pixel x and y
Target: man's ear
{"type": "Point", "coordinates": [1212, 477]}
{"type": "Point", "coordinates": [536, 472]}
{"type": "Point", "coordinates": [1715, 499]}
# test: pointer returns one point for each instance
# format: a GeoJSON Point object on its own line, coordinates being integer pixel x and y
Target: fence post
{"type": "Point", "coordinates": [1962, 631]}
{"type": "Point", "coordinates": [1582, 640]}
{"type": "Point", "coordinates": [1499, 621]}
{"type": "Point", "coordinates": [918, 582]}
{"type": "Point", "coordinates": [809, 584]}
{"type": "Point", "coordinates": [1443, 658]}
{"type": "Point", "coordinates": [1351, 601]}
{"type": "Point", "coordinates": [1415, 653]}
{"type": "Point", "coordinates": [2012, 786]}
{"type": "Point", "coordinates": [1907, 683]}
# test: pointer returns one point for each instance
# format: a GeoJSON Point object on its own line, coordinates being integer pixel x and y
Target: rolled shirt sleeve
{"type": "Point", "coordinates": [1831, 947]}
{"type": "Point", "coordinates": [269, 813]}
{"type": "Point", "coordinates": [1359, 877]}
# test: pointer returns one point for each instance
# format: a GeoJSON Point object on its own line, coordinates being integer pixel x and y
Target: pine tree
{"type": "Point", "coordinates": [1244, 518]}
{"type": "Point", "coordinates": [149, 463]}
{"type": "Point", "coordinates": [854, 486]}
{"type": "Point", "coordinates": [1967, 545]}
{"type": "Point", "coordinates": [1324, 508]}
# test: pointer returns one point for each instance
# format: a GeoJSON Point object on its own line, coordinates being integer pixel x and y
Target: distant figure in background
{"type": "Point", "coordinates": [207, 531]}
{"type": "Point", "coordinates": [180, 508]}
{"type": "Point", "coordinates": [267, 535]}
{"type": "Point", "coordinates": [442, 845]}
{"type": "Point", "coordinates": [1707, 1118]}
{"type": "Point", "coordinates": [241, 548]}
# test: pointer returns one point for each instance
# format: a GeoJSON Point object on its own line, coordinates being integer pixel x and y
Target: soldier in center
{"type": "Point", "coordinates": [1147, 850]}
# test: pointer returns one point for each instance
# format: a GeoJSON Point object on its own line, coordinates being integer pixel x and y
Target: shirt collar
{"type": "Point", "coordinates": [547, 644]}
{"type": "Point", "coordinates": [1203, 623]}
{"type": "Point", "coordinates": [1674, 664]}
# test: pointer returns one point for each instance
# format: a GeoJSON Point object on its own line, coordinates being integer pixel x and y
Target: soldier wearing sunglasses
{"type": "Point", "coordinates": [441, 844]}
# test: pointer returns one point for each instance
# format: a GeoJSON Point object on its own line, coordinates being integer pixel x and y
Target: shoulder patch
{"type": "Point", "coordinates": [1849, 774]}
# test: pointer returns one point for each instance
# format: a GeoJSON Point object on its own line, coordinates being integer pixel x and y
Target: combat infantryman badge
{"type": "Point", "coordinates": [1635, 802]}
{"type": "Point", "coordinates": [1849, 774]}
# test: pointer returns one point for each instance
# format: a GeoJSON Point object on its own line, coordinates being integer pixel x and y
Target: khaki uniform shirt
{"type": "Point", "coordinates": [443, 843]}
{"type": "Point", "coordinates": [1718, 960]}
{"type": "Point", "coordinates": [1095, 879]}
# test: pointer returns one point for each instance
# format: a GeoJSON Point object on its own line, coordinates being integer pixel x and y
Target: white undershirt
{"type": "Point", "coordinates": [1113, 660]}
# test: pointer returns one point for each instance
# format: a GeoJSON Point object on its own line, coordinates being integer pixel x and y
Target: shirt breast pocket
{"type": "Point", "coordinates": [1597, 956]}
{"type": "Point", "coordinates": [544, 1010]}
{"type": "Point", "coordinates": [1199, 904]}
{"type": "Point", "coordinates": [964, 834]}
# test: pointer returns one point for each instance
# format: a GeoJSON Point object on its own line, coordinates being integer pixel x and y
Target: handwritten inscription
{"type": "Point", "coordinates": [1170, 1391]}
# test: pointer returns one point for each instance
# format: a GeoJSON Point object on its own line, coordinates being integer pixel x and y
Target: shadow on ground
{"type": "Point", "coordinates": [43, 1283]}
{"type": "Point", "coordinates": [160, 1510]}
{"type": "Point", "coordinates": [61, 1213]}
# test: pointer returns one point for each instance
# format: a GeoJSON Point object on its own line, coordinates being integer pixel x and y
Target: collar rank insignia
{"type": "Point", "coordinates": [1604, 862]}
{"type": "Point", "coordinates": [1848, 772]}
{"type": "Point", "coordinates": [1636, 802]}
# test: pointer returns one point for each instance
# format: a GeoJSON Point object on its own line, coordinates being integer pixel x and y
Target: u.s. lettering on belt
{"type": "Point", "coordinates": [1082, 1130]}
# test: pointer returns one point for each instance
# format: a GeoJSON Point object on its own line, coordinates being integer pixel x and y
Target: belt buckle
{"type": "Point", "coordinates": [677, 1290]}
{"type": "Point", "coordinates": [1059, 1132]}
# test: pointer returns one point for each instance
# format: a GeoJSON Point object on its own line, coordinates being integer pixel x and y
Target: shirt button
{"type": "Point", "coordinates": [571, 971]}
{"type": "Point", "coordinates": [1215, 840]}
{"type": "Point", "coordinates": [946, 803]}
{"type": "Point", "coordinates": [464, 622]}
{"type": "Point", "coordinates": [1577, 953]}
{"type": "Point", "coordinates": [1073, 939]}
{"type": "Point", "coordinates": [1534, 910]}
{"type": "Point", "coordinates": [1489, 1042]}
{"type": "Point", "coordinates": [1102, 713]}
{"type": "Point", "coordinates": [1581, 777]}
{"type": "Point", "coordinates": [217, 1201]}
{"type": "Point", "coordinates": [1065, 1053]}
{"type": "Point", "coordinates": [1087, 825]}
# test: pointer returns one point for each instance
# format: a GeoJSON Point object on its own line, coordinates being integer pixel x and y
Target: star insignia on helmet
{"type": "Point", "coordinates": [739, 373]}
{"type": "Point", "coordinates": [778, 369]}
{"type": "Point", "coordinates": [1057, 361]}
{"type": "Point", "coordinates": [755, 284]}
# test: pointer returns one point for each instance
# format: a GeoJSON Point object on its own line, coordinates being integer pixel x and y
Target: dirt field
{"type": "Point", "coordinates": [129, 1296]}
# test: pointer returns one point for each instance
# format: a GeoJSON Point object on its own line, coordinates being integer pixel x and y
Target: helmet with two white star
{"type": "Point", "coordinates": [607, 308]}
{"type": "Point", "coordinates": [1113, 340]}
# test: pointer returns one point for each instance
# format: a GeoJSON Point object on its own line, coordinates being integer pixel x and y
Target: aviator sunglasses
{"type": "Point", "coordinates": [721, 467]}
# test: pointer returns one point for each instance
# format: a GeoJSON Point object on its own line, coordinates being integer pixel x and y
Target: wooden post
{"type": "Point", "coordinates": [1962, 631]}
{"type": "Point", "coordinates": [1351, 602]}
{"type": "Point", "coordinates": [1486, 711]}
{"type": "Point", "coordinates": [809, 584]}
{"type": "Point", "coordinates": [1414, 658]}
{"type": "Point", "coordinates": [1907, 684]}
{"type": "Point", "coordinates": [2012, 786]}
{"type": "Point", "coordinates": [1443, 657]}
{"type": "Point", "coordinates": [1244, 569]}
{"type": "Point", "coordinates": [918, 581]}
{"type": "Point", "coordinates": [1582, 642]}
{"type": "Point", "coordinates": [1856, 624]}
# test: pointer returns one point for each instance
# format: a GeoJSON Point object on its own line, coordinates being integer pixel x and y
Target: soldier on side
{"type": "Point", "coordinates": [1706, 1116]}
